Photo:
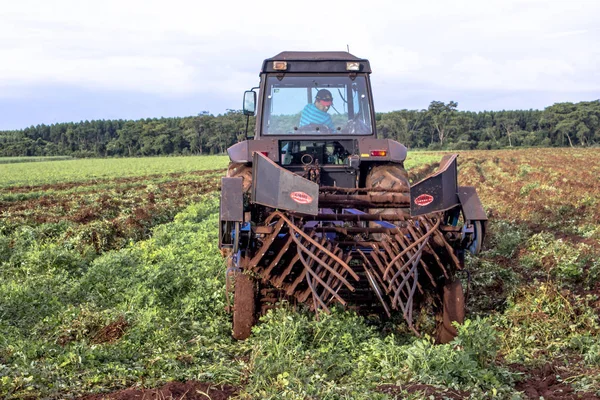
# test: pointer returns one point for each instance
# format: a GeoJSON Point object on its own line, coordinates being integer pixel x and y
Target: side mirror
{"type": "Point", "coordinates": [249, 102]}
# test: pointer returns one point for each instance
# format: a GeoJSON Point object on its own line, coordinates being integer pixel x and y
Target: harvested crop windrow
{"type": "Point", "coordinates": [106, 214]}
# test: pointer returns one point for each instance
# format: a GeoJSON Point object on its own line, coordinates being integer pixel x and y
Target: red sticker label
{"type": "Point", "coordinates": [301, 198]}
{"type": "Point", "coordinates": [423, 200]}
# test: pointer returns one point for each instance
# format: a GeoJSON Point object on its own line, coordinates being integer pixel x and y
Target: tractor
{"type": "Point", "coordinates": [317, 210]}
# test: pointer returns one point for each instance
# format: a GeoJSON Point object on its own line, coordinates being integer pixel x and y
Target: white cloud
{"type": "Point", "coordinates": [182, 47]}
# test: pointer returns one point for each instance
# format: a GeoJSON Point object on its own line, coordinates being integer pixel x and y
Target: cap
{"type": "Point", "coordinates": [325, 97]}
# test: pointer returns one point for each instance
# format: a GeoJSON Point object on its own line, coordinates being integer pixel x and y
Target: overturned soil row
{"type": "Point", "coordinates": [115, 181]}
{"type": "Point", "coordinates": [190, 390]}
{"type": "Point", "coordinates": [546, 383]}
{"type": "Point", "coordinates": [109, 219]}
{"type": "Point", "coordinates": [52, 208]}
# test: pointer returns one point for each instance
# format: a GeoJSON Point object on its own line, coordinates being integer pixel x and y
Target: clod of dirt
{"type": "Point", "coordinates": [543, 383]}
{"type": "Point", "coordinates": [190, 390]}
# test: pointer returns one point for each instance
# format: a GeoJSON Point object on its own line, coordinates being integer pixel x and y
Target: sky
{"type": "Point", "coordinates": [64, 60]}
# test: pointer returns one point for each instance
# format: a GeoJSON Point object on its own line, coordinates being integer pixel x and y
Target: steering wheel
{"type": "Point", "coordinates": [320, 128]}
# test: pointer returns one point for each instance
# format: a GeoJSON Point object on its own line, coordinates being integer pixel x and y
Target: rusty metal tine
{"type": "Point", "coordinates": [448, 249]}
{"type": "Point", "coordinates": [289, 268]}
{"type": "Point", "coordinates": [414, 273]}
{"type": "Point", "coordinates": [266, 244]}
{"type": "Point", "coordinates": [319, 270]}
{"type": "Point", "coordinates": [317, 259]}
{"type": "Point", "coordinates": [338, 284]}
{"type": "Point", "coordinates": [374, 272]}
{"type": "Point", "coordinates": [308, 238]}
{"type": "Point", "coordinates": [433, 252]}
{"type": "Point", "coordinates": [405, 265]}
{"type": "Point", "coordinates": [402, 242]}
{"type": "Point", "coordinates": [376, 258]}
{"type": "Point", "coordinates": [371, 280]}
{"type": "Point", "coordinates": [276, 260]}
{"type": "Point", "coordinates": [400, 271]}
{"type": "Point", "coordinates": [331, 278]}
{"type": "Point", "coordinates": [404, 283]}
{"type": "Point", "coordinates": [290, 290]}
{"type": "Point", "coordinates": [379, 263]}
{"type": "Point", "coordinates": [414, 244]}
{"type": "Point", "coordinates": [412, 293]}
{"type": "Point", "coordinates": [314, 275]}
{"type": "Point", "coordinates": [279, 281]}
{"type": "Point", "coordinates": [315, 295]}
{"type": "Point", "coordinates": [426, 269]}
{"type": "Point", "coordinates": [304, 295]}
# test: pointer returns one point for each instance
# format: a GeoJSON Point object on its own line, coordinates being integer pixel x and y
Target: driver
{"type": "Point", "coordinates": [316, 113]}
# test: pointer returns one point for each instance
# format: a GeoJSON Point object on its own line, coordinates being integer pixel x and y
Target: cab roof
{"type": "Point", "coordinates": [315, 61]}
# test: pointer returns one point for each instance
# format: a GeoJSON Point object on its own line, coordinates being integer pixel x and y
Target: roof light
{"type": "Point", "coordinates": [378, 153]}
{"type": "Point", "coordinates": [280, 65]}
{"type": "Point", "coordinates": [353, 66]}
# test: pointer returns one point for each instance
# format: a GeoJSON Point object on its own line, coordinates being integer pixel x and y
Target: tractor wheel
{"type": "Point", "coordinates": [243, 171]}
{"type": "Point", "coordinates": [244, 306]}
{"type": "Point", "coordinates": [389, 176]}
{"type": "Point", "coordinates": [453, 311]}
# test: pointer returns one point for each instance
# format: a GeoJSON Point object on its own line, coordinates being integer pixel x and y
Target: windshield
{"type": "Point", "coordinates": [309, 105]}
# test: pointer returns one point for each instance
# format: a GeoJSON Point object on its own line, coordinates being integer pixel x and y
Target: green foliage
{"type": "Point", "coordinates": [540, 322]}
{"type": "Point", "coordinates": [338, 356]}
{"type": "Point", "coordinates": [504, 238]}
{"type": "Point", "coordinates": [168, 289]}
{"type": "Point", "coordinates": [560, 260]}
{"type": "Point", "coordinates": [467, 363]}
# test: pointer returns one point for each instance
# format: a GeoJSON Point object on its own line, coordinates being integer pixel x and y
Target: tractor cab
{"type": "Point", "coordinates": [315, 110]}
{"type": "Point", "coordinates": [313, 94]}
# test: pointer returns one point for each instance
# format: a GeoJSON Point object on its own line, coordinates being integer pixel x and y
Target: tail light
{"type": "Point", "coordinates": [378, 153]}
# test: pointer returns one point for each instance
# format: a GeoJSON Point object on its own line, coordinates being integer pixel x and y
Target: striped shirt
{"type": "Point", "coordinates": [312, 115]}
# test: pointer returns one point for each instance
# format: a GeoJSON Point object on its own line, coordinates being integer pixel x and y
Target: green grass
{"type": "Point", "coordinates": [46, 172]}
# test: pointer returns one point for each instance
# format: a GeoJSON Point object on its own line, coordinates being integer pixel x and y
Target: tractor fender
{"type": "Point", "coordinates": [242, 152]}
{"type": "Point", "coordinates": [394, 152]}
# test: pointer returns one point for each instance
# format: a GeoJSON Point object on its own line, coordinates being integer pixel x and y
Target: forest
{"type": "Point", "coordinates": [440, 126]}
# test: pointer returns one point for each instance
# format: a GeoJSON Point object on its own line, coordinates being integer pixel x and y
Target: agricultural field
{"type": "Point", "coordinates": [112, 286]}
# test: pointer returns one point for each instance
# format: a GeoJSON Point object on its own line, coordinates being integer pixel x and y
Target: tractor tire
{"type": "Point", "coordinates": [388, 176]}
{"type": "Point", "coordinates": [243, 171]}
{"type": "Point", "coordinates": [244, 306]}
{"type": "Point", "coordinates": [453, 310]}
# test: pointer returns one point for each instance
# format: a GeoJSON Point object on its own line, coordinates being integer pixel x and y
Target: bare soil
{"type": "Point", "coordinates": [545, 383]}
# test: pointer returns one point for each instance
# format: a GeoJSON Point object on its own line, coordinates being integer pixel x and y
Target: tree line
{"type": "Point", "coordinates": [440, 126]}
